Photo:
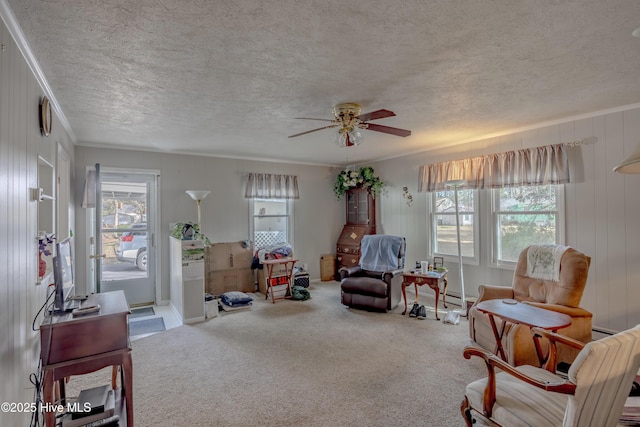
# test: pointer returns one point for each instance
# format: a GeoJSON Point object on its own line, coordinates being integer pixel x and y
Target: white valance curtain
{"type": "Point", "coordinates": [268, 186]}
{"type": "Point", "coordinates": [530, 166]}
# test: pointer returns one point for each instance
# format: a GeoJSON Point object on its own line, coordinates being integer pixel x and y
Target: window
{"type": "Point", "coordinates": [524, 216]}
{"type": "Point", "coordinates": [271, 221]}
{"type": "Point", "coordinates": [443, 211]}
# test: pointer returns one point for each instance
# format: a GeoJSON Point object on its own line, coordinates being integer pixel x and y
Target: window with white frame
{"type": "Point", "coordinates": [272, 221]}
{"type": "Point", "coordinates": [524, 216]}
{"type": "Point", "coordinates": [443, 221]}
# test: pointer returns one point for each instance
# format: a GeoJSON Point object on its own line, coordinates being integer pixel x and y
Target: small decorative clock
{"type": "Point", "coordinates": [46, 116]}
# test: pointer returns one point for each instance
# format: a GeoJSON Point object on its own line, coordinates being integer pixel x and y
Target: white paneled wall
{"type": "Point", "coordinates": [602, 210]}
{"type": "Point", "coordinates": [20, 296]}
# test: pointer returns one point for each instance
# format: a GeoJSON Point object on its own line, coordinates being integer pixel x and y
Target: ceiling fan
{"type": "Point", "coordinates": [349, 121]}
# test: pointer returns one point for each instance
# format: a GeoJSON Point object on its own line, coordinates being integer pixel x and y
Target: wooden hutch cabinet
{"type": "Point", "coordinates": [361, 220]}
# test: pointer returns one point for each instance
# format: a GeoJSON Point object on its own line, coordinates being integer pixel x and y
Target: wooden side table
{"type": "Point", "coordinates": [288, 264]}
{"type": "Point", "coordinates": [80, 345]}
{"type": "Point", "coordinates": [431, 279]}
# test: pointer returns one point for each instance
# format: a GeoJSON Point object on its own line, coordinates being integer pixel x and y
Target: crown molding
{"type": "Point", "coordinates": [513, 131]}
{"type": "Point", "coordinates": [9, 19]}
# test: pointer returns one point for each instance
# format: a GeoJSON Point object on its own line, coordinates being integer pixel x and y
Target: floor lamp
{"type": "Point", "coordinates": [198, 196]}
{"type": "Point", "coordinates": [631, 164]}
{"type": "Point", "coordinates": [456, 185]}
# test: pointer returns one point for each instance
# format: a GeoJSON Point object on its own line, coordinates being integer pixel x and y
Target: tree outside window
{"type": "Point", "coordinates": [524, 216]}
{"type": "Point", "coordinates": [445, 240]}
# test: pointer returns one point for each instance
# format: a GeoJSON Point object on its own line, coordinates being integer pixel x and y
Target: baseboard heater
{"type": "Point", "coordinates": [603, 331]}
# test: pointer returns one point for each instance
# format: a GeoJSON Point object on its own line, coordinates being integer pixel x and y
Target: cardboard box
{"type": "Point", "coordinates": [219, 282]}
{"type": "Point", "coordinates": [228, 256]}
{"type": "Point", "coordinates": [327, 267]}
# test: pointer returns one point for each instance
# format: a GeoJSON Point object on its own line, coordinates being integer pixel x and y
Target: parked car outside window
{"type": "Point", "coordinates": [132, 246]}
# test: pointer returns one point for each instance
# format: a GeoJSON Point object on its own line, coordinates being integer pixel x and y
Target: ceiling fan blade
{"type": "Point", "coordinates": [311, 118]}
{"type": "Point", "coordinates": [388, 129]}
{"type": "Point", "coordinates": [312, 130]}
{"type": "Point", "coordinates": [374, 115]}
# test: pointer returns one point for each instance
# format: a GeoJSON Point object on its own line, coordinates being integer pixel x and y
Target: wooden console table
{"type": "Point", "coordinates": [80, 345]}
{"type": "Point", "coordinates": [431, 279]}
{"type": "Point", "coordinates": [516, 312]}
{"type": "Point", "coordinates": [287, 264]}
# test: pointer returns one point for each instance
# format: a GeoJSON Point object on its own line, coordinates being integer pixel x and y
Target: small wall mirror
{"type": "Point", "coordinates": [43, 195]}
{"type": "Point", "coordinates": [46, 188]}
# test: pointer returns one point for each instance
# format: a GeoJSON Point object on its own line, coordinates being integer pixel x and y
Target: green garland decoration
{"type": "Point", "coordinates": [362, 178]}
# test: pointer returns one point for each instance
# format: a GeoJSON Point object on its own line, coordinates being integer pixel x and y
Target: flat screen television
{"type": "Point", "coordinates": [63, 276]}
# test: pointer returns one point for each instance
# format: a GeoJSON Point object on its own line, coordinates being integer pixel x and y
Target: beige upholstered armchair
{"type": "Point", "coordinates": [559, 289]}
{"type": "Point", "coordinates": [592, 395]}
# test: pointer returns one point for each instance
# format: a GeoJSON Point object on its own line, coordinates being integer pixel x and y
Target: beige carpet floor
{"type": "Point", "coordinates": [301, 363]}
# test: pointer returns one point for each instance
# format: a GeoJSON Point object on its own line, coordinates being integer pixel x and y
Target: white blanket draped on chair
{"type": "Point", "coordinates": [543, 261]}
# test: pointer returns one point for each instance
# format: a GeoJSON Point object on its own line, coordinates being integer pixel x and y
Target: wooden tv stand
{"type": "Point", "coordinates": [80, 345]}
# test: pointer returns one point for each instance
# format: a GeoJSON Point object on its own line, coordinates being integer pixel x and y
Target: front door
{"type": "Point", "coordinates": [126, 213]}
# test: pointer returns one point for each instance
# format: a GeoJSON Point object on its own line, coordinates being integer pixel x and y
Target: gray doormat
{"type": "Point", "coordinates": [142, 311]}
{"type": "Point", "coordinates": [147, 326]}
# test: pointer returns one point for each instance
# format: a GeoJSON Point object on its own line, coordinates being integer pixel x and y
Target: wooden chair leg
{"type": "Point", "coordinates": [114, 377]}
{"type": "Point", "coordinates": [465, 410]}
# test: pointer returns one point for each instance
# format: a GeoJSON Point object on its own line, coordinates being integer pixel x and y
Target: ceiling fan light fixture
{"type": "Point", "coordinates": [345, 138]}
{"type": "Point", "coordinates": [346, 110]}
{"type": "Point", "coordinates": [349, 121]}
{"type": "Point", "coordinates": [355, 136]}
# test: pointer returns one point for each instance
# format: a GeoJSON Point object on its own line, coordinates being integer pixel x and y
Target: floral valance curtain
{"type": "Point", "coordinates": [531, 166]}
{"type": "Point", "coordinates": [268, 186]}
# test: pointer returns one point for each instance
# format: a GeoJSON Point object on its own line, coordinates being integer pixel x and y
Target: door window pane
{"type": "Point", "coordinates": [124, 230]}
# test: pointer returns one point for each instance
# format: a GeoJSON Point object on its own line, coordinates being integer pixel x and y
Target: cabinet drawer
{"type": "Point", "coordinates": [347, 260]}
{"type": "Point", "coordinates": [352, 234]}
{"type": "Point", "coordinates": [349, 250]}
{"type": "Point", "coordinates": [83, 337]}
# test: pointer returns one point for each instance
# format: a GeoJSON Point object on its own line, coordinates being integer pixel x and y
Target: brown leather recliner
{"type": "Point", "coordinates": [376, 283]}
{"type": "Point", "coordinates": [562, 296]}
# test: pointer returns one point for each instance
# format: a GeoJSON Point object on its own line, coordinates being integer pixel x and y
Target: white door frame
{"type": "Point", "coordinates": [154, 238]}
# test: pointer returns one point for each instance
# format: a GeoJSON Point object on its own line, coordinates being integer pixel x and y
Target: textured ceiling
{"type": "Point", "coordinates": [227, 77]}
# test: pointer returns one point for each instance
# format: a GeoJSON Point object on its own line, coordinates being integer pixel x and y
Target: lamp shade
{"type": "Point", "coordinates": [198, 195]}
{"type": "Point", "coordinates": [631, 164]}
